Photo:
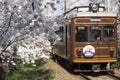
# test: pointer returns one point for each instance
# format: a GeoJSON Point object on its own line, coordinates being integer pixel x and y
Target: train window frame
{"type": "Point", "coordinates": [60, 33]}
{"type": "Point", "coordinates": [107, 36]}
{"type": "Point", "coordinates": [96, 34]}
{"type": "Point", "coordinates": [84, 36]}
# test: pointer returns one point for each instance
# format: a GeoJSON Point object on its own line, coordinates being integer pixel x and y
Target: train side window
{"type": "Point", "coordinates": [81, 34]}
{"type": "Point", "coordinates": [108, 33]}
{"type": "Point", "coordinates": [60, 33]}
{"type": "Point", "coordinates": [95, 33]}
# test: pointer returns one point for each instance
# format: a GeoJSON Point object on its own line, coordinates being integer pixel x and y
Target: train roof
{"type": "Point", "coordinates": [85, 12]}
{"type": "Point", "coordinates": [90, 14]}
{"type": "Point", "coordinates": [98, 14]}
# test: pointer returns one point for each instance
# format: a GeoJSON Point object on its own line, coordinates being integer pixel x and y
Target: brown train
{"type": "Point", "coordinates": [88, 39]}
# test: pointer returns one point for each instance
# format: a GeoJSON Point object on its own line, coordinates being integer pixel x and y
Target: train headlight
{"type": "Point", "coordinates": [111, 52]}
{"type": "Point", "coordinates": [79, 53]}
{"type": "Point", "coordinates": [94, 7]}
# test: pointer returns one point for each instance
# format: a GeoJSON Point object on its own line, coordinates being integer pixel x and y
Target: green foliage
{"type": "Point", "coordinates": [28, 72]}
{"type": "Point", "coordinates": [117, 65]}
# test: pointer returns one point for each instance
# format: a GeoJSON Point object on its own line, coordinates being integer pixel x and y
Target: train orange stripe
{"type": "Point", "coordinates": [93, 61]}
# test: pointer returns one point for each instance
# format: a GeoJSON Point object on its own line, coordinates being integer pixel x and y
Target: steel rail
{"type": "Point", "coordinates": [113, 75]}
{"type": "Point", "coordinates": [84, 76]}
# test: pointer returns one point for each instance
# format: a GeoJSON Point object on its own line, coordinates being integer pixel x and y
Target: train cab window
{"type": "Point", "coordinates": [95, 33]}
{"type": "Point", "coordinates": [60, 33]}
{"type": "Point", "coordinates": [81, 34]}
{"type": "Point", "coordinates": [108, 33]}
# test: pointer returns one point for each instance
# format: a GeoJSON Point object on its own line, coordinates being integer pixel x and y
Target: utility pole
{"type": "Point", "coordinates": [64, 6]}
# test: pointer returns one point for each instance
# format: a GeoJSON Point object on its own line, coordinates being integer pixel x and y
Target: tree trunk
{"type": "Point", "coordinates": [2, 74]}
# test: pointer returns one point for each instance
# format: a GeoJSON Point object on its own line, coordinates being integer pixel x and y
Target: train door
{"type": "Point", "coordinates": [68, 41]}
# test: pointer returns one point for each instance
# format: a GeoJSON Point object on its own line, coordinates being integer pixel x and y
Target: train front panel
{"type": "Point", "coordinates": [94, 43]}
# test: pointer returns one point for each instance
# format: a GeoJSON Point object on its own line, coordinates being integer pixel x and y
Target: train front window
{"type": "Point", "coordinates": [81, 34]}
{"type": "Point", "coordinates": [95, 33]}
{"type": "Point", "coordinates": [108, 33]}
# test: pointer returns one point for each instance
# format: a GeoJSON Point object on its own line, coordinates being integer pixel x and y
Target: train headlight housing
{"type": "Point", "coordinates": [111, 52]}
{"type": "Point", "coordinates": [79, 53]}
{"type": "Point", "coordinates": [94, 7]}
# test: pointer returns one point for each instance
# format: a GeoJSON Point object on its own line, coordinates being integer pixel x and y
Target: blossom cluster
{"type": "Point", "coordinates": [26, 31]}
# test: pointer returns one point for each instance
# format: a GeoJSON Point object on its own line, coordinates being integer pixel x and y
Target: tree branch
{"type": "Point", "coordinates": [9, 25]}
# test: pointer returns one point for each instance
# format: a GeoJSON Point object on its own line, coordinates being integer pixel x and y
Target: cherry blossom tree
{"type": "Point", "coordinates": [26, 28]}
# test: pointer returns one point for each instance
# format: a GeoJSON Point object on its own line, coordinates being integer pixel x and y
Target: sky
{"type": "Point", "coordinates": [60, 8]}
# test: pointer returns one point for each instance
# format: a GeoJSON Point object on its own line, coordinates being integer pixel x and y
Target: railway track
{"type": "Point", "coordinates": [87, 76]}
{"type": "Point", "coordinates": [115, 77]}
{"type": "Point", "coordinates": [84, 77]}
{"type": "Point", "coordinates": [99, 76]}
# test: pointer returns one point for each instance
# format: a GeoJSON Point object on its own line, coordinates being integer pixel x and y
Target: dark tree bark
{"type": "Point", "coordinates": [2, 72]}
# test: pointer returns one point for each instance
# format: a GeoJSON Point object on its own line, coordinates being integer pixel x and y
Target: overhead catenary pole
{"type": "Point", "coordinates": [119, 7]}
{"type": "Point", "coordinates": [64, 6]}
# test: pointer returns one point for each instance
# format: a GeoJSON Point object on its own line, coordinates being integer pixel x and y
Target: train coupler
{"type": "Point", "coordinates": [96, 68]}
